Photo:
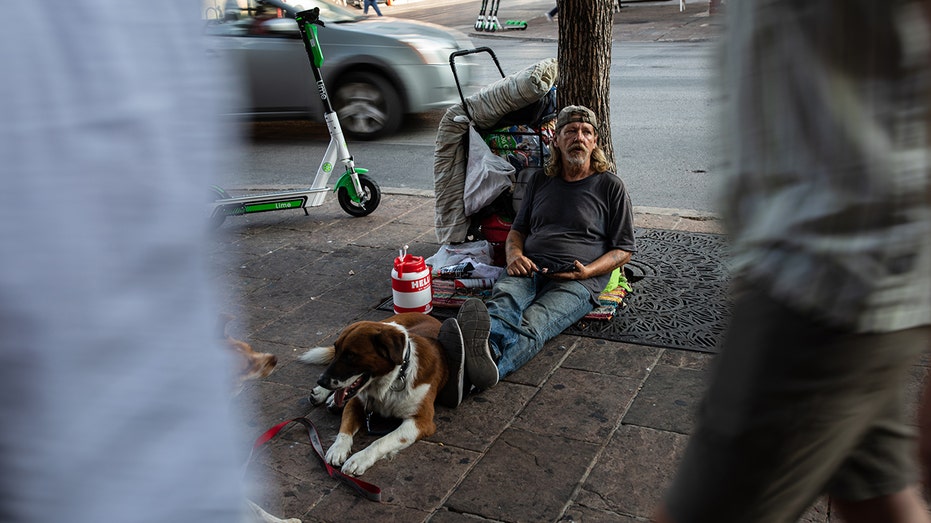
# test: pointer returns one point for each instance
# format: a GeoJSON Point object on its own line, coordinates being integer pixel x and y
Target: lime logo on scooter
{"type": "Point", "coordinates": [317, 54]}
{"type": "Point", "coordinates": [322, 90]}
{"type": "Point", "coordinates": [275, 205]}
{"type": "Point", "coordinates": [327, 167]}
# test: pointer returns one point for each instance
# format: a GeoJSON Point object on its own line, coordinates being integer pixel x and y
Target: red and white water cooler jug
{"type": "Point", "coordinates": [411, 284]}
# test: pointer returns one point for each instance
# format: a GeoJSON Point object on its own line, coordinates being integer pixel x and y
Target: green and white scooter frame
{"type": "Point", "coordinates": [337, 153]}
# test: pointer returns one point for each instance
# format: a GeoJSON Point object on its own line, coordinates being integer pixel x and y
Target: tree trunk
{"type": "Point", "coordinates": [584, 57]}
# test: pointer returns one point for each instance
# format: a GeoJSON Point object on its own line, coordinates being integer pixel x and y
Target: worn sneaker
{"type": "Point", "coordinates": [450, 339]}
{"type": "Point", "coordinates": [548, 16]}
{"type": "Point", "coordinates": [475, 324]}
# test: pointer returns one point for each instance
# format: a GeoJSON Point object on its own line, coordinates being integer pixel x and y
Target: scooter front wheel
{"type": "Point", "coordinates": [370, 198]}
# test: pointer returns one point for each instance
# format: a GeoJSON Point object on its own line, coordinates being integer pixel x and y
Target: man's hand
{"type": "Point", "coordinates": [517, 263]}
{"type": "Point", "coordinates": [580, 272]}
{"type": "Point", "coordinates": [521, 266]}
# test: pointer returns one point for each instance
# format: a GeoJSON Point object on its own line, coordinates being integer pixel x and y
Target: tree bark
{"type": "Point", "coordinates": [584, 57]}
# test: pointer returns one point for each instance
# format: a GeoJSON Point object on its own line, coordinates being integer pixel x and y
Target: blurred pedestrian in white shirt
{"type": "Point", "coordinates": [114, 390]}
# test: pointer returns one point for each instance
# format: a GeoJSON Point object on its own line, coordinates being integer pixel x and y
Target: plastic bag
{"type": "Point", "coordinates": [487, 175]}
{"type": "Point", "coordinates": [475, 252]}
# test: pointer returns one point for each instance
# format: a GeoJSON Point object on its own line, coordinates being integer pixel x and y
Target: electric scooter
{"type": "Point", "coordinates": [480, 21]}
{"type": "Point", "coordinates": [489, 22]}
{"type": "Point", "coordinates": [358, 194]}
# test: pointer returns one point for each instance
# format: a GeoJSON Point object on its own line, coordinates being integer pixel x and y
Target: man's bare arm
{"type": "Point", "coordinates": [604, 264]}
{"type": "Point", "coordinates": [517, 263]}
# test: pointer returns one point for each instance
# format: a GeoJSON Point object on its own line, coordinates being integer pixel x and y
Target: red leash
{"type": "Point", "coordinates": [369, 491]}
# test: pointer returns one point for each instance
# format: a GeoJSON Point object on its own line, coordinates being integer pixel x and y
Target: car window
{"type": "Point", "coordinates": [264, 20]}
{"type": "Point", "coordinates": [330, 12]}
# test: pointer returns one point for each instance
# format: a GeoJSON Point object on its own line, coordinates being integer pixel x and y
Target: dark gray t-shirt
{"type": "Point", "coordinates": [567, 221]}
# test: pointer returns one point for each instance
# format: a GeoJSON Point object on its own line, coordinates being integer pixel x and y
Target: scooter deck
{"type": "Point", "coordinates": [266, 202]}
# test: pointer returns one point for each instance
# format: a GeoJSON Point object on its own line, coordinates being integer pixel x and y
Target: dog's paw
{"type": "Point", "coordinates": [320, 395]}
{"type": "Point", "coordinates": [359, 463]}
{"type": "Point", "coordinates": [339, 452]}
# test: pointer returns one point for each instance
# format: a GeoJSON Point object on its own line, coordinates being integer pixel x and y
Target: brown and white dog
{"type": "Point", "coordinates": [394, 368]}
{"type": "Point", "coordinates": [250, 365]}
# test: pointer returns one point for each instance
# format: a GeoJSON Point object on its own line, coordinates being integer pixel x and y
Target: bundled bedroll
{"type": "Point", "coordinates": [487, 108]}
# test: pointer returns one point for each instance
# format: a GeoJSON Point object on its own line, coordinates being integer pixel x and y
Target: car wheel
{"type": "Point", "coordinates": [368, 106]}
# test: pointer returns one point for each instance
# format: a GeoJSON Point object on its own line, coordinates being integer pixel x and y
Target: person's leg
{"type": "Point", "coordinates": [484, 330]}
{"type": "Point", "coordinates": [365, 6]}
{"type": "Point", "coordinates": [876, 482]}
{"type": "Point", "coordinates": [903, 506]}
{"type": "Point", "coordinates": [375, 6]}
{"type": "Point", "coordinates": [509, 299]}
{"type": "Point", "coordinates": [924, 435]}
{"type": "Point", "coordinates": [557, 306]}
{"type": "Point", "coordinates": [789, 403]}
{"type": "Point", "coordinates": [522, 314]}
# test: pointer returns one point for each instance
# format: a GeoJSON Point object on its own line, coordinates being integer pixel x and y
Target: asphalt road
{"type": "Point", "coordinates": [662, 122]}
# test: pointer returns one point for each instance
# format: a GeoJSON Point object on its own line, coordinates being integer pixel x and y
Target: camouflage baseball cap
{"type": "Point", "coordinates": [576, 113]}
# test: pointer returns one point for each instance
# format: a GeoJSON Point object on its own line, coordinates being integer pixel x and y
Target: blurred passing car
{"type": "Point", "coordinates": [376, 69]}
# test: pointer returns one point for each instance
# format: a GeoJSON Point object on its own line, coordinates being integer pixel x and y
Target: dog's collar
{"type": "Point", "coordinates": [400, 383]}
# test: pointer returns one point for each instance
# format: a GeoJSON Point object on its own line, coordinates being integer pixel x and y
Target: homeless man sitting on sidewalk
{"type": "Point", "coordinates": [574, 228]}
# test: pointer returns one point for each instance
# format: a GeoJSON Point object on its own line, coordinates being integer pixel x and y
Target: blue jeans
{"type": "Point", "coordinates": [374, 4]}
{"type": "Point", "coordinates": [527, 312]}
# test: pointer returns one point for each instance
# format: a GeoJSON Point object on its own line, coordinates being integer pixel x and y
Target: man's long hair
{"type": "Point", "coordinates": [600, 162]}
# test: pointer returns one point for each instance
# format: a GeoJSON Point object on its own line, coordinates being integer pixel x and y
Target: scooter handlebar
{"type": "Point", "coordinates": [310, 16]}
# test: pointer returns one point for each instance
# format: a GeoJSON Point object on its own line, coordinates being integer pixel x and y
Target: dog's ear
{"type": "Point", "coordinates": [391, 344]}
{"type": "Point", "coordinates": [222, 320]}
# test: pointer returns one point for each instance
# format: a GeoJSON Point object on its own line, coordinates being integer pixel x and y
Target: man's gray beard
{"type": "Point", "coordinates": [576, 158]}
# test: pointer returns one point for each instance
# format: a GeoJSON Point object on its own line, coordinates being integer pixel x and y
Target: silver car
{"type": "Point", "coordinates": [376, 69]}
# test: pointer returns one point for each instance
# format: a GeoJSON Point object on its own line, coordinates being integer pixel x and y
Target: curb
{"type": "Point", "coordinates": [688, 214]}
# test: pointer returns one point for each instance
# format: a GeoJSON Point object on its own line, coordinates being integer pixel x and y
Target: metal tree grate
{"type": "Point", "coordinates": [679, 297]}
